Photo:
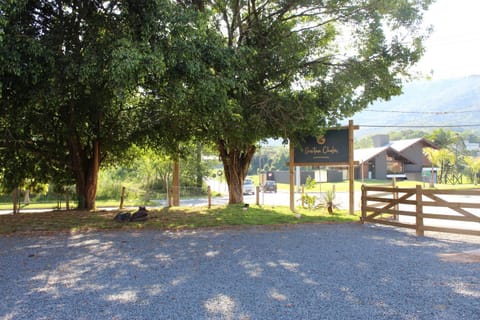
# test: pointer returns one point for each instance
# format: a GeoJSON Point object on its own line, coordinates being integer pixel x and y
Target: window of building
{"type": "Point", "coordinates": [394, 166]}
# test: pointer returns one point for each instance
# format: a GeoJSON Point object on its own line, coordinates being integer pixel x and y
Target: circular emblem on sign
{"type": "Point", "coordinates": [321, 140]}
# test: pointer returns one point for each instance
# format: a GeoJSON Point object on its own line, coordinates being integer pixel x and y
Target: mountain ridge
{"type": "Point", "coordinates": [425, 105]}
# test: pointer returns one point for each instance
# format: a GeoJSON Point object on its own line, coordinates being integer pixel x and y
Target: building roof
{"type": "Point", "coordinates": [362, 155]}
{"type": "Point", "coordinates": [393, 149]}
{"type": "Point", "coordinates": [401, 145]}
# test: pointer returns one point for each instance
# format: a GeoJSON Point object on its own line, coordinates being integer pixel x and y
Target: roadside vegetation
{"type": "Point", "coordinates": [138, 199]}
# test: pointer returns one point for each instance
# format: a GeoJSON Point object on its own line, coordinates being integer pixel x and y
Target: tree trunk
{"type": "Point", "coordinates": [85, 165]}
{"type": "Point", "coordinates": [442, 172]}
{"type": "Point", "coordinates": [15, 200]}
{"type": "Point", "coordinates": [235, 163]}
{"type": "Point", "coordinates": [330, 208]}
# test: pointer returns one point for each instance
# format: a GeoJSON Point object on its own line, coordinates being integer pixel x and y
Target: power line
{"type": "Point", "coordinates": [423, 112]}
{"type": "Point", "coordinates": [417, 126]}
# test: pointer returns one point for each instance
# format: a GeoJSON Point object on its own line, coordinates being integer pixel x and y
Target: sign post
{"type": "Point", "coordinates": [351, 169]}
{"type": "Point", "coordinates": [291, 166]}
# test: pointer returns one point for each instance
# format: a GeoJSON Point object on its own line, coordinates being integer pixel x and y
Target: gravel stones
{"type": "Point", "coordinates": [312, 271]}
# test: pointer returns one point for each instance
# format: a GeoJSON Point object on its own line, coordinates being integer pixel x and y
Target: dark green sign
{"type": "Point", "coordinates": [330, 148]}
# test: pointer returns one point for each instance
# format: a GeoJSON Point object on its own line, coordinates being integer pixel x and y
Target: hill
{"type": "Point", "coordinates": [450, 103]}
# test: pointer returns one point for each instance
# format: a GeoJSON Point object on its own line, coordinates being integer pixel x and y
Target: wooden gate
{"type": "Point", "coordinates": [454, 211]}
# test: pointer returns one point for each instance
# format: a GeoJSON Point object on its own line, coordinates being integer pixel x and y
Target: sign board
{"type": "Point", "coordinates": [334, 148]}
{"type": "Point", "coordinates": [331, 148]}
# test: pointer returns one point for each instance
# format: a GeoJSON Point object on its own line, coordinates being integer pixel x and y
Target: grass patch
{"type": "Point", "coordinates": [176, 218]}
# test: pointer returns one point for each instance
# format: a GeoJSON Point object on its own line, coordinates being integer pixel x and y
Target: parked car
{"type": "Point", "coordinates": [270, 186]}
{"type": "Point", "coordinates": [248, 186]}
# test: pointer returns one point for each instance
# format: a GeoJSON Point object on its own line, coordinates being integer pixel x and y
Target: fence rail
{"type": "Point", "coordinates": [385, 205]}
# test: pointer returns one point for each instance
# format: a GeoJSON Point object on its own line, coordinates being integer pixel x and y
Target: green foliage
{"type": "Point", "coordinates": [445, 138]}
{"type": "Point", "coordinates": [81, 82]}
{"type": "Point", "coordinates": [407, 134]}
{"type": "Point", "coordinates": [473, 164]}
{"type": "Point", "coordinates": [270, 158]}
{"type": "Point", "coordinates": [443, 159]}
{"type": "Point", "coordinates": [295, 74]}
{"type": "Point", "coordinates": [328, 201]}
{"type": "Point", "coordinates": [308, 201]}
{"type": "Point", "coordinates": [148, 172]}
{"type": "Point", "coordinates": [74, 77]}
{"type": "Point", "coordinates": [110, 186]}
{"type": "Point", "coordinates": [310, 183]}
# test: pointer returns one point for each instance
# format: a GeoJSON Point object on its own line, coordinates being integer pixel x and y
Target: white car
{"type": "Point", "coordinates": [248, 186]}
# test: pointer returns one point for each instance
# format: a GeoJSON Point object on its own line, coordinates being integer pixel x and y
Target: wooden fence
{"type": "Point", "coordinates": [423, 209]}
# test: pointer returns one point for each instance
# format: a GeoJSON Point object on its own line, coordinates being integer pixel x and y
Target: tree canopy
{"type": "Point", "coordinates": [296, 67]}
{"type": "Point", "coordinates": [72, 78]}
{"type": "Point", "coordinates": [81, 80]}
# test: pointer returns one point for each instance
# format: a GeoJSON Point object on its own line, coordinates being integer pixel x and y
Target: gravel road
{"type": "Point", "coordinates": [316, 271]}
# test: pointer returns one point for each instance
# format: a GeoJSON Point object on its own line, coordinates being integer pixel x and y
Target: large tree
{"type": "Point", "coordinates": [83, 79]}
{"type": "Point", "coordinates": [300, 66]}
{"type": "Point", "coordinates": [71, 75]}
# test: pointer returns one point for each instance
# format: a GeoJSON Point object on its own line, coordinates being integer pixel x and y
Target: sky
{"type": "Point", "coordinates": [453, 48]}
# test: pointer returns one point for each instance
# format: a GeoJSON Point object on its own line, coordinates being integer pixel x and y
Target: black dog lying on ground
{"type": "Point", "coordinates": [140, 215]}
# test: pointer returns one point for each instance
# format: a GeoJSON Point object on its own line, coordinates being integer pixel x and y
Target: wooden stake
{"type": "Point", "coordinates": [67, 200]}
{"type": "Point", "coordinates": [176, 183]}
{"type": "Point", "coordinates": [209, 192]}
{"type": "Point", "coordinates": [351, 169]}
{"type": "Point", "coordinates": [292, 177]}
{"type": "Point", "coordinates": [122, 198]}
{"type": "Point", "coordinates": [364, 204]}
{"type": "Point", "coordinates": [15, 200]}
{"type": "Point", "coordinates": [419, 212]}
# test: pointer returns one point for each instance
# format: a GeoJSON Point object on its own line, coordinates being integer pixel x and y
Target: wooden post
{"type": "Point", "coordinates": [257, 197]}
{"type": "Point", "coordinates": [292, 177]}
{"type": "Point", "coordinates": [419, 212]}
{"type": "Point", "coordinates": [351, 169]}
{"type": "Point", "coordinates": [209, 192]}
{"type": "Point", "coordinates": [67, 199]}
{"type": "Point", "coordinates": [395, 197]}
{"type": "Point", "coordinates": [122, 198]}
{"type": "Point", "coordinates": [303, 196]}
{"type": "Point", "coordinates": [15, 200]}
{"type": "Point", "coordinates": [169, 197]}
{"type": "Point", "coordinates": [364, 204]}
{"type": "Point", "coordinates": [176, 183]}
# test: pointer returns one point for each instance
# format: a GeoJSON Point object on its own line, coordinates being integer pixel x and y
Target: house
{"type": "Point", "coordinates": [402, 159]}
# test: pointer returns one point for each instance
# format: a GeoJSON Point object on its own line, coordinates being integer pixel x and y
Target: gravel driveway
{"type": "Point", "coordinates": [317, 271]}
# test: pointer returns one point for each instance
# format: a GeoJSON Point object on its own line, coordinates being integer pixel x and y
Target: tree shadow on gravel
{"type": "Point", "coordinates": [301, 272]}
